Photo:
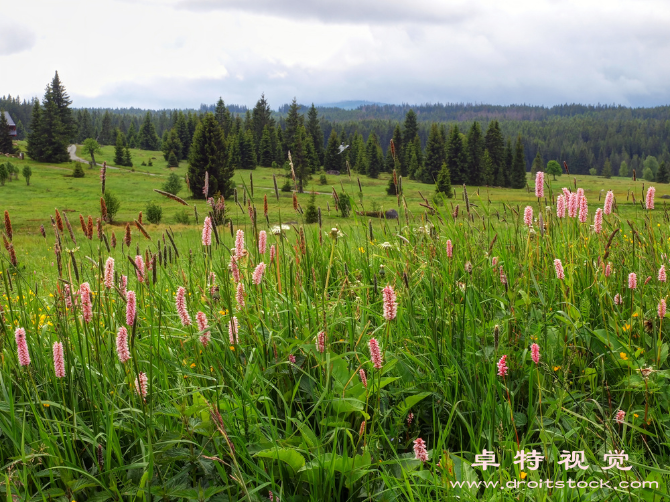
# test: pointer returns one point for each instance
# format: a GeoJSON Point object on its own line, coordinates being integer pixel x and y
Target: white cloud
{"type": "Point", "coordinates": [15, 38]}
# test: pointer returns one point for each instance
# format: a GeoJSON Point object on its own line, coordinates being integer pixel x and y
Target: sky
{"type": "Point", "coordinates": [181, 53]}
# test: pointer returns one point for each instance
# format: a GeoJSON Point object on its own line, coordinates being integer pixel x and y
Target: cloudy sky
{"type": "Point", "coordinates": [180, 53]}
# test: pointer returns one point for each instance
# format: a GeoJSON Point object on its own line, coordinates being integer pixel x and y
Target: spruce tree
{"type": "Point", "coordinates": [311, 213]}
{"type": "Point", "coordinates": [475, 175]}
{"type": "Point", "coordinates": [414, 166]}
{"type": "Point", "coordinates": [457, 157]}
{"type": "Point", "coordinates": [280, 157]}
{"type": "Point", "coordinates": [172, 144]}
{"type": "Point", "coordinates": [62, 101]}
{"type": "Point", "coordinates": [234, 154]}
{"type": "Point", "coordinates": [53, 133]}
{"type": "Point", "coordinates": [418, 149]}
{"type": "Point", "coordinates": [148, 140]}
{"type": "Point", "coordinates": [662, 176]}
{"type": "Point", "coordinates": [118, 149]}
{"type": "Point", "coordinates": [6, 145]}
{"type": "Point", "coordinates": [314, 130]}
{"type": "Point", "coordinates": [299, 158]}
{"type": "Point", "coordinates": [247, 151]}
{"type": "Point", "coordinates": [518, 174]}
{"type": "Point", "coordinates": [4, 174]}
{"type": "Point", "coordinates": [443, 182]}
{"type": "Point", "coordinates": [208, 154]}
{"type": "Point", "coordinates": [312, 157]}
{"type": "Point", "coordinates": [361, 164]}
{"type": "Point", "coordinates": [266, 154]}
{"type": "Point", "coordinates": [537, 164]}
{"type": "Point", "coordinates": [503, 179]}
{"type": "Point", "coordinates": [85, 127]}
{"type": "Point", "coordinates": [222, 115]}
{"type": "Point", "coordinates": [261, 118]}
{"type": "Point", "coordinates": [373, 152]}
{"type": "Point", "coordinates": [410, 131]}
{"type": "Point", "coordinates": [332, 160]}
{"type": "Point", "coordinates": [436, 155]}
{"type": "Point", "coordinates": [20, 131]}
{"type": "Point", "coordinates": [185, 137]}
{"type": "Point", "coordinates": [105, 136]}
{"type": "Point", "coordinates": [172, 160]}
{"type": "Point", "coordinates": [389, 163]}
{"type": "Point", "coordinates": [131, 137]}
{"type": "Point", "coordinates": [623, 169]}
{"type": "Point", "coordinates": [495, 144]}
{"type": "Point", "coordinates": [607, 170]}
{"type": "Point", "coordinates": [127, 158]}
{"type": "Point", "coordinates": [487, 169]}
{"type": "Point", "coordinates": [293, 121]}
{"type": "Point", "coordinates": [400, 161]}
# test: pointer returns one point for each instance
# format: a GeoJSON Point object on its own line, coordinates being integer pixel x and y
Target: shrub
{"type": "Point", "coordinates": [344, 205]}
{"type": "Point", "coordinates": [113, 204]}
{"type": "Point", "coordinates": [173, 184]}
{"type": "Point", "coordinates": [181, 217]}
{"type": "Point", "coordinates": [593, 171]}
{"type": "Point", "coordinates": [172, 160]}
{"type": "Point", "coordinates": [143, 163]}
{"type": "Point", "coordinates": [311, 214]}
{"type": "Point", "coordinates": [150, 163]}
{"type": "Point", "coordinates": [648, 174]}
{"type": "Point", "coordinates": [154, 213]}
{"type": "Point", "coordinates": [12, 170]}
{"type": "Point", "coordinates": [27, 173]}
{"type": "Point", "coordinates": [287, 186]}
{"type": "Point", "coordinates": [323, 180]}
{"type": "Point", "coordinates": [4, 174]}
{"type": "Point", "coordinates": [274, 164]}
{"type": "Point", "coordinates": [78, 170]}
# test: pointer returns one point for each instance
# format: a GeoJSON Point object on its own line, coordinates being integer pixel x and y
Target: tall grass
{"type": "Point", "coordinates": [236, 420]}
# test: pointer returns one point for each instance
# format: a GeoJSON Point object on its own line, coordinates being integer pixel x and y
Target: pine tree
{"type": "Point", "coordinates": [495, 144]}
{"type": "Point", "coordinates": [400, 162]}
{"type": "Point", "coordinates": [419, 151]}
{"type": "Point", "coordinates": [171, 144]}
{"type": "Point", "coordinates": [172, 160]}
{"type": "Point", "coordinates": [314, 130]}
{"type": "Point", "coordinates": [223, 117]}
{"type": "Point", "coordinates": [293, 121]}
{"type": "Point", "coordinates": [62, 101]}
{"type": "Point", "coordinates": [443, 183]}
{"type": "Point", "coordinates": [6, 145]}
{"type": "Point", "coordinates": [311, 213]}
{"type": "Point", "coordinates": [457, 157]}
{"type": "Point", "coordinates": [299, 158]}
{"type": "Point", "coordinates": [414, 165]}
{"type": "Point", "coordinates": [436, 155]}
{"type": "Point", "coordinates": [185, 137]}
{"type": "Point", "coordinates": [389, 163]}
{"type": "Point", "coordinates": [332, 161]}
{"type": "Point", "coordinates": [266, 154]}
{"type": "Point", "coordinates": [127, 158]}
{"type": "Point", "coordinates": [208, 154]}
{"type": "Point", "coordinates": [410, 131]}
{"type": "Point", "coordinates": [662, 175]}
{"type": "Point", "coordinates": [148, 140]}
{"type": "Point", "coordinates": [247, 151]}
{"type": "Point", "coordinates": [280, 157]}
{"type": "Point", "coordinates": [54, 135]}
{"type": "Point", "coordinates": [373, 152]}
{"type": "Point", "coordinates": [118, 149]}
{"type": "Point", "coordinates": [105, 136]}
{"type": "Point", "coordinates": [503, 174]}
{"type": "Point", "coordinates": [607, 170]}
{"type": "Point", "coordinates": [131, 137]}
{"type": "Point", "coordinates": [361, 165]}
{"type": "Point", "coordinates": [234, 154]}
{"type": "Point", "coordinates": [537, 164]}
{"type": "Point", "coordinates": [260, 119]}
{"type": "Point", "coordinates": [312, 157]}
{"type": "Point", "coordinates": [487, 169]}
{"type": "Point", "coordinates": [518, 174]}
{"type": "Point", "coordinates": [475, 154]}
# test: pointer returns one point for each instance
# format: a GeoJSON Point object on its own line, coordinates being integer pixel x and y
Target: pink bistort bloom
{"type": "Point", "coordinates": [560, 206]}
{"type": "Point", "coordinates": [262, 241]}
{"type": "Point", "coordinates": [573, 205]}
{"type": "Point", "coordinates": [560, 274]}
{"type": "Point", "coordinates": [502, 366]}
{"type": "Point", "coordinates": [535, 353]}
{"type": "Point", "coordinates": [617, 299]}
{"type": "Point", "coordinates": [450, 249]}
{"type": "Point", "coordinates": [662, 307]}
{"type": "Point", "coordinates": [390, 304]}
{"type": "Point", "coordinates": [141, 270]}
{"type": "Point", "coordinates": [86, 306]}
{"type": "Point", "coordinates": [239, 295]}
{"type": "Point", "coordinates": [650, 197]}
{"type": "Point", "coordinates": [22, 346]}
{"type": "Point", "coordinates": [321, 342]}
{"type": "Point", "coordinates": [273, 252]}
{"type": "Point", "coordinates": [59, 360]}
{"type": "Point", "coordinates": [364, 378]}
{"type": "Point", "coordinates": [239, 243]}
{"type": "Point", "coordinates": [109, 273]}
{"type": "Point", "coordinates": [608, 269]}
{"type": "Point", "coordinates": [632, 281]}
{"type": "Point", "coordinates": [539, 184]}
{"type": "Point", "coordinates": [124, 285]}
{"type": "Point", "coordinates": [207, 232]}
{"type": "Point", "coordinates": [257, 276]}
{"type": "Point", "coordinates": [141, 384]}
{"type": "Point", "coordinates": [583, 209]}
{"type": "Point", "coordinates": [598, 221]}
{"type": "Point", "coordinates": [420, 452]}
{"type": "Point", "coordinates": [201, 319]}
{"type": "Point", "coordinates": [528, 216]}
{"type": "Point", "coordinates": [180, 302]}
{"type": "Point", "coordinates": [122, 350]}
{"type": "Point", "coordinates": [375, 354]}
{"type": "Point", "coordinates": [609, 201]}
{"type": "Point", "coordinates": [233, 331]}
{"type": "Point", "coordinates": [234, 269]}
{"type": "Point", "coordinates": [494, 261]}
{"type": "Point", "coordinates": [131, 308]}
{"type": "Point", "coordinates": [662, 276]}
{"type": "Point", "coordinates": [620, 415]}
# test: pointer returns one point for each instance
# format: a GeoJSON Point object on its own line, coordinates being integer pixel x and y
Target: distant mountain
{"type": "Point", "coordinates": [348, 105]}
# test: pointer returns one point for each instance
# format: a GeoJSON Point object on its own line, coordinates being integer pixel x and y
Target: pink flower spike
{"type": "Point", "coordinates": [233, 331]}
{"type": "Point", "coordinates": [609, 201]}
{"type": "Point", "coordinates": [239, 243]}
{"type": "Point", "coordinates": [234, 269]}
{"type": "Point", "coordinates": [632, 281]}
{"type": "Point", "coordinates": [258, 273]}
{"type": "Point", "coordinates": [67, 296]}
{"type": "Point", "coordinates": [273, 252]}
{"type": "Point", "coordinates": [22, 346]}
{"type": "Point", "coordinates": [539, 184]}
{"type": "Point", "coordinates": [59, 360]}
{"type": "Point", "coordinates": [420, 452]}
{"type": "Point", "coordinates": [239, 295]}
{"type": "Point", "coordinates": [650, 197]}
{"type": "Point", "coordinates": [598, 221]}
{"type": "Point", "coordinates": [390, 304]}
{"type": "Point", "coordinates": [141, 270]}
{"type": "Point", "coordinates": [620, 415]}
{"type": "Point", "coordinates": [573, 205]}
{"type": "Point", "coordinates": [131, 308]}
{"type": "Point", "coordinates": [502, 366]}
{"type": "Point", "coordinates": [291, 358]}
{"type": "Point", "coordinates": [560, 274]}
{"type": "Point", "coordinates": [410, 418]}
{"type": "Point", "coordinates": [494, 261]}
{"type": "Point", "coordinates": [528, 216]}
{"type": "Point", "coordinates": [617, 299]}
{"type": "Point", "coordinates": [560, 206]}
{"type": "Point", "coordinates": [608, 269]}
{"type": "Point", "coordinates": [124, 285]}
{"type": "Point", "coordinates": [201, 319]}
{"type": "Point", "coordinates": [662, 276]}
{"type": "Point", "coordinates": [535, 353]}
{"type": "Point", "coordinates": [450, 249]}
{"type": "Point", "coordinates": [364, 378]}
{"type": "Point", "coordinates": [583, 209]}
{"type": "Point", "coordinates": [180, 302]}
{"type": "Point", "coordinates": [262, 241]}
{"type": "Point", "coordinates": [141, 384]}
{"type": "Point", "coordinates": [86, 306]}
{"type": "Point", "coordinates": [321, 342]}
{"type": "Point", "coordinates": [122, 350]}
{"type": "Point", "coordinates": [207, 232]}
{"type": "Point", "coordinates": [375, 354]}
{"type": "Point", "coordinates": [662, 308]}
{"type": "Point", "coordinates": [109, 273]}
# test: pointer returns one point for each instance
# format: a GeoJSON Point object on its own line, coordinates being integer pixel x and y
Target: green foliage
{"type": "Point", "coordinates": [78, 171]}
{"type": "Point", "coordinates": [375, 158]}
{"type": "Point", "coordinates": [91, 147]}
{"type": "Point", "coordinates": [147, 138]}
{"type": "Point", "coordinates": [456, 158]}
{"type": "Point", "coordinates": [172, 145]}
{"type": "Point", "coordinates": [27, 173]}
{"type": "Point", "coordinates": [554, 168]}
{"type": "Point", "coordinates": [607, 169]}
{"type": "Point", "coordinates": [332, 158]}
{"type": "Point", "coordinates": [153, 212]}
{"type": "Point", "coordinates": [266, 153]}
{"type": "Point", "coordinates": [119, 149]}
{"type": "Point", "coordinates": [6, 145]}
{"type": "Point", "coordinates": [518, 174]}
{"type": "Point", "coordinates": [172, 160]}
{"type": "Point", "coordinates": [4, 174]}
{"type": "Point", "coordinates": [623, 170]}
{"type": "Point", "coordinates": [182, 217]}
{"type": "Point", "coordinates": [344, 204]}
{"type": "Point", "coordinates": [663, 174]}
{"type": "Point", "coordinates": [287, 186]}
{"type": "Point", "coordinates": [113, 205]}
{"type": "Point", "coordinates": [593, 171]}
{"type": "Point", "coordinates": [495, 145]}
{"type": "Point", "coordinates": [443, 183]}
{"type": "Point", "coordinates": [476, 170]}
{"type": "Point", "coordinates": [208, 154]}
{"type": "Point", "coordinates": [648, 174]}
{"type": "Point", "coordinates": [127, 158]}
{"type": "Point", "coordinates": [173, 184]}
{"type": "Point", "coordinates": [313, 128]}
{"type": "Point", "coordinates": [651, 163]}
{"type": "Point", "coordinates": [311, 213]}
{"type": "Point", "coordinates": [150, 162]}
{"type": "Point", "coordinates": [323, 180]}
{"type": "Point", "coordinates": [537, 164]}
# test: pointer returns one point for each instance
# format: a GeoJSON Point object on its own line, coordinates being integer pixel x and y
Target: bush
{"type": "Point", "coordinates": [172, 160]}
{"type": "Point", "coordinates": [181, 217]}
{"type": "Point", "coordinates": [648, 174]}
{"type": "Point", "coordinates": [113, 204]}
{"type": "Point", "coordinates": [173, 184]}
{"type": "Point", "coordinates": [593, 171]}
{"type": "Point", "coordinates": [287, 186]}
{"type": "Point", "coordinates": [312, 215]}
{"type": "Point", "coordinates": [344, 205]}
{"type": "Point", "coordinates": [274, 164]}
{"type": "Point", "coordinates": [323, 180]}
{"type": "Point", "coordinates": [4, 174]}
{"type": "Point", "coordinates": [27, 173]}
{"type": "Point", "coordinates": [78, 170]}
{"type": "Point", "coordinates": [154, 213]}
{"type": "Point", "coordinates": [143, 164]}
{"type": "Point", "coordinates": [150, 163]}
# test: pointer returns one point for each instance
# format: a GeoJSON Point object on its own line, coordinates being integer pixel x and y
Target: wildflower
{"type": "Point", "coordinates": [390, 304]}
{"type": "Point", "coordinates": [126, 238]}
{"type": "Point", "coordinates": [321, 342]}
{"type": "Point", "coordinates": [239, 243]}
{"type": "Point", "coordinates": [420, 452]}
{"type": "Point", "coordinates": [609, 200]}
{"type": "Point", "coordinates": [494, 262]}
{"type": "Point", "coordinates": [468, 267]}
{"type": "Point", "coordinates": [141, 384]}
{"type": "Point", "coordinates": [233, 331]}
{"type": "Point", "coordinates": [502, 366]}
{"type": "Point", "coordinates": [258, 273]}
{"type": "Point", "coordinates": [620, 415]}
{"type": "Point", "coordinates": [566, 193]}
{"type": "Point", "coordinates": [361, 431]}
{"type": "Point", "coordinates": [22, 345]}
{"type": "Point", "coordinates": [450, 249]}
{"type": "Point", "coordinates": [364, 378]}
{"type": "Point", "coordinates": [647, 280]}
{"type": "Point", "coordinates": [661, 274]}
{"type": "Point", "coordinates": [560, 274]}
{"type": "Point", "coordinates": [410, 418]}
{"type": "Point", "coordinates": [59, 360]}
{"type": "Point", "coordinates": [180, 302]}
{"type": "Point", "coordinates": [662, 308]}
{"type": "Point", "coordinates": [632, 281]}
{"type": "Point", "coordinates": [291, 358]}
{"type": "Point", "coordinates": [598, 221]}
{"type": "Point", "coordinates": [131, 308]}
{"type": "Point", "coordinates": [503, 276]}
{"type": "Point", "coordinates": [67, 296]}
{"type": "Point", "coordinates": [234, 269]}
{"type": "Point", "coordinates": [122, 350]}
{"type": "Point", "coordinates": [535, 353]}
{"type": "Point", "coordinates": [560, 206]}
{"type": "Point", "coordinates": [650, 197]}
{"type": "Point", "coordinates": [239, 295]}
{"type": "Point", "coordinates": [522, 475]}
{"type": "Point", "coordinates": [273, 252]}
{"type": "Point", "coordinates": [608, 269]}
{"type": "Point", "coordinates": [201, 318]}
{"type": "Point", "coordinates": [528, 216]}
{"type": "Point", "coordinates": [617, 299]}
{"type": "Point", "coordinates": [86, 307]}
{"type": "Point", "coordinates": [109, 273]}
{"type": "Point", "coordinates": [141, 269]}
{"type": "Point", "coordinates": [539, 184]}
{"type": "Point", "coordinates": [645, 372]}
{"type": "Point", "coordinates": [207, 232]}
{"type": "Point", "coordinates": [623, 355]}
{"type": "Point", "coordinates": [8, 226]}
{"type": "Point", "coordinates": [583, 209]}
{"type": "Point", "coordinates": [375, 353]}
